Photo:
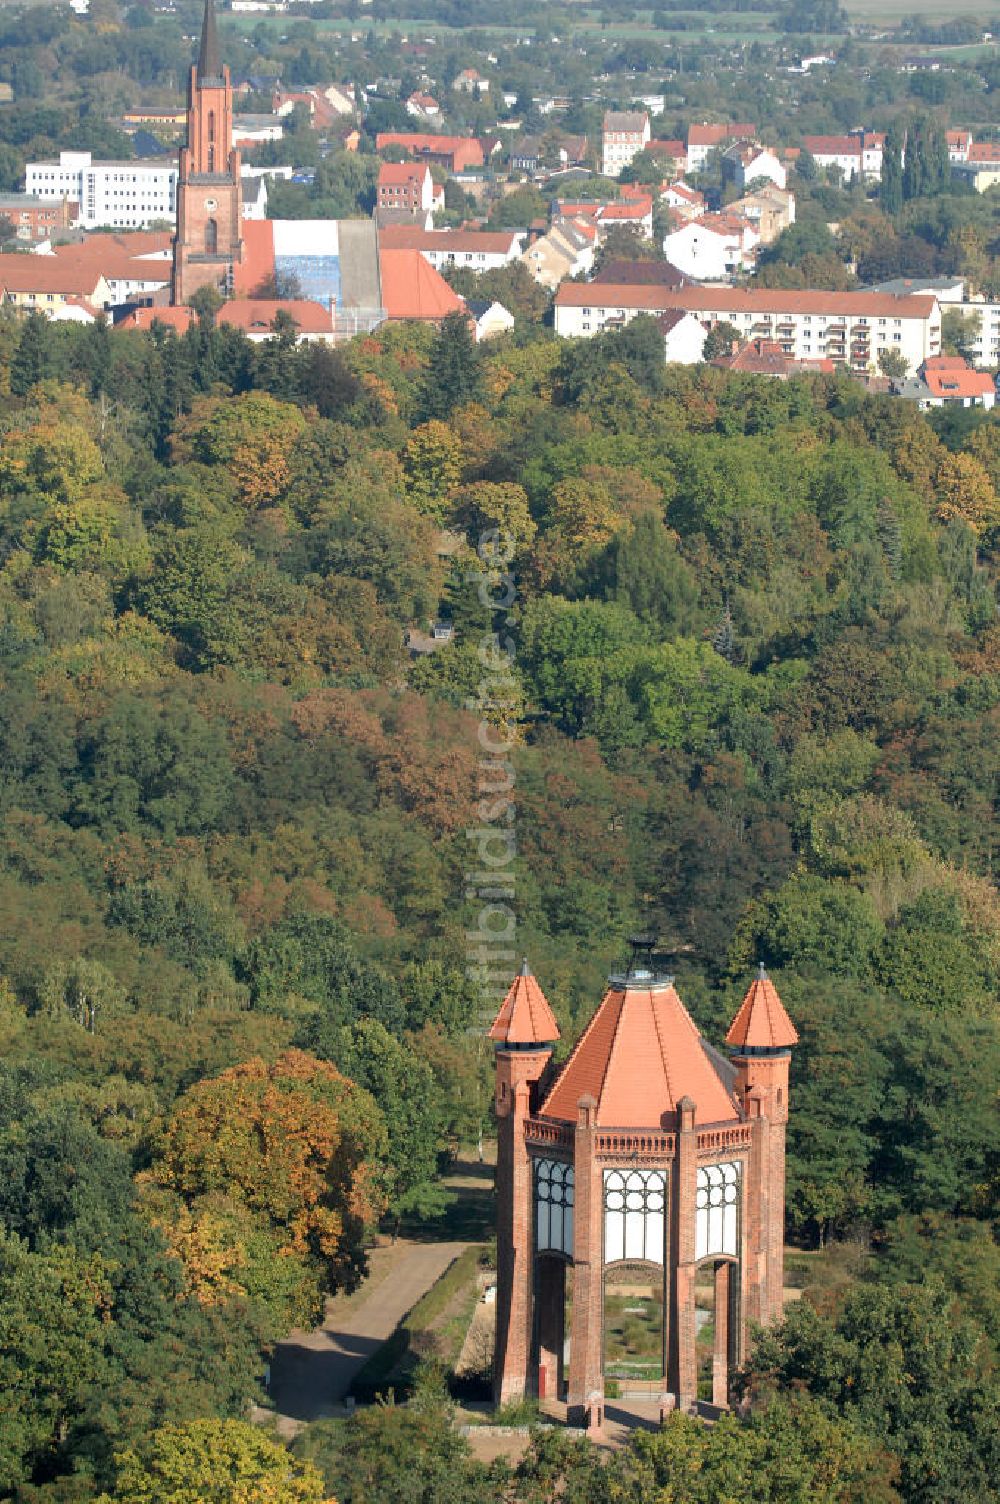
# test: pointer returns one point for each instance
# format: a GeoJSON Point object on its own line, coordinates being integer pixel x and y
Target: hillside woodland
{"type": "Point", "coordinates": [749, 668]}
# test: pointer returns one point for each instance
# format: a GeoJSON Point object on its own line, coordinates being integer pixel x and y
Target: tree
{"type": "Point", "coordinates": [433, 463]}
{"type": "Point", "coordinates": [213, 1462]}
{"type": "Point", "coordinates": [454, 369]}
{"type": "Point", "coordinates": [296, 1143]}
{"type": "Point", "coordinates": [964, 491]}
{"type": "Point", "coordinates": [722, 339]}
{"type": "Point", "coordinates": [891, 185]}
{"type": "Point", "coordinates": [894, 364]}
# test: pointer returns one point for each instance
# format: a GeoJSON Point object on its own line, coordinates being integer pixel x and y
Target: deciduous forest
{"type": "Point", "coordinates": [752, 677]}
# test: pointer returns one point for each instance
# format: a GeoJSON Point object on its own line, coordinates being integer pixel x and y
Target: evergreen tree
{"type": "Point", "coordinates": [891, 190]}
{"type": "Point", "coordinates": [454, 375]}
{"type": "Point", "coordinates": [32, 357]}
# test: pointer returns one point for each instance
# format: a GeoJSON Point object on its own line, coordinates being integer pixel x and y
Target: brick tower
{"type": "Point", "coordinates": [648, 1157]}
{"type": "Point", "coordinates": [209, 239]}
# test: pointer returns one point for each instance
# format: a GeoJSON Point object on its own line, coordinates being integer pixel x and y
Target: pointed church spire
{"type": "Point", "coordinates": [209, 61]}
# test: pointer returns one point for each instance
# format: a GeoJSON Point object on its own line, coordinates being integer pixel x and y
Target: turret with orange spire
{"type": "Point", "coordinates": [760, 1040]}
{"type": "Point", "coordinates": [523, 1034]}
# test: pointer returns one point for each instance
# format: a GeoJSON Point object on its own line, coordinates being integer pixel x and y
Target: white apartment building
{"type": "Point", "coordinates": [122, 195]}
{"type": "Point", "coordinates": [849, 328]}
{"type": "Point", "coordinates": [626, 134]}
{"type": "Point", "coordinates": [745, 162]}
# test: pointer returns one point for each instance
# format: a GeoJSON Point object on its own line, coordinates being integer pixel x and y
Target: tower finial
{"type": "Point", "coordinates": [209, 61]}
{"type": "Point", "coordinates": [761, 972]}
{"type": "Point", "coordinates": [525, 968]}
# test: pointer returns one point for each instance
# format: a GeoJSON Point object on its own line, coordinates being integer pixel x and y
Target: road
{"type": "Point", "coordinates": [311, 1372]}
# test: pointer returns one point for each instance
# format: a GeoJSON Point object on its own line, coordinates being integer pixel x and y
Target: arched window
{"type": "Point", "coordinates": [211, 125]}
{"type": "Point", "coordinates": [211, 236]}
{"type": "Point", "coordinates": [554, 1205]}
{"type": "Point", "coordinates": [634, 1215]}
{"type": "Point", "coordinates": [716, 1224]}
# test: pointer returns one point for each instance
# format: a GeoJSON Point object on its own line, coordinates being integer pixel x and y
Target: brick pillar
{"type": "Point", "coordinates": [755, 1214]}
{"type": "Point", "coordinates": [720, 1353]}
{"type": "Point", "coordinates": [514, 1252]}
{"type": "Point", "coordinates": [586, 1357]}
{"type": "Point", "coordinates": [550, 1303]}
{"type": "Point", "coordinates": [683, 1359]}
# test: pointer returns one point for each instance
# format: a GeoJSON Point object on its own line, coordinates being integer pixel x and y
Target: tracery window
{"type": "Point", "coordinates": [634, 1215]}
{"type": "Point", "coordinates": [554, 1206]}
{"type": "Point", "coordinates": [717, 1197]}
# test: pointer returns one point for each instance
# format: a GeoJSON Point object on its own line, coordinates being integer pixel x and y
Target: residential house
{"type": "Point", "coordinates": [713, 248]}
{"type": "Point", "coordinates": [947, 381]}
{"type": "Point", "coordinates": [251, 130]}
{"type": "Point", "coordinates": [770, 210]}
{"type": "Point", "coordinates": [136, 266]}
{"type": "Point", "coordinates": [849, 328]}
{"type": "Point", "coordinates": [704, 139]}
{"type": "Point", "coordinates": [423, 106]}
{"type": "Point", "coordinates": [635, 213]}
{"type": "Point", "coordinates": [35, 219]}
{"type": "Point", "coordinates": [959, 144]}
{"type": "Point", "coordinates": [47, 284]}
{"type": "Point", "coordinates": [407, 186]}
{"type": "Point", "coordinates": [684, 337]}
{"type": "Point", "coordinates": [687, 203]}
{"type": "Point", "coordinates": [256, 317]}
{"type": "Point", "coordinates": [454, 153]}
{"type": "Point", "coordinates": [981, 168]}
{"type": "Point", "coordinates": [765, 357]}
{"type": "Point", "coordinates": [619, 272]}
{"type": "Point", "coordinates": [858, 154]}
{"type": "Point", "coordinates": [340, 98]}
{"type": "Point", "coordinates": [470, 81]}
{"type": "Point", "coordinates": [478, 250]}
{"type": "Point", "coordinates": [491, 319]}
{"type": "Point", "coordinates": [746, 162]}
{"type": "Point", "coordinates": [567, 250]}
{"type": "Point", "coordinates": [626, 133]}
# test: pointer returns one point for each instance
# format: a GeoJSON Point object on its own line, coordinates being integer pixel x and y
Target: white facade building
{"type": "Point", "coordinates": [684, 337]}
{"type": "Point", "coordinates": [626, 134]}
{"type": "Point", "coordinates": [744, 163]}
{"type": "Point", "coordinates": [123, 195]}
{"type": "Point", "coordinates": [849, 328]}
{"type": "Point", "coordinates": [712, 248]}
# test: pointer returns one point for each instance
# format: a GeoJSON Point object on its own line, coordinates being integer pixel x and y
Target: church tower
{"type": "Point", "coordinates": [209, 240]}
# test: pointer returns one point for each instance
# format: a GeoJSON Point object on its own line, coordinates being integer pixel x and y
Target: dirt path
{"type": "Point", "coordinates": [311, 1372]}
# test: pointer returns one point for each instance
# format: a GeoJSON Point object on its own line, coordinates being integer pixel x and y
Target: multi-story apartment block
{"type": "Point", "coordinates": [407, 186]}
{"type": "Point", "coordinates": [119, 195]}
{"type": "Point", "coordinates": [849, 328]}
{"type": "Point", "coordinates": [626, 134]}
{"type": "Point", "coordinates": [35, 219]}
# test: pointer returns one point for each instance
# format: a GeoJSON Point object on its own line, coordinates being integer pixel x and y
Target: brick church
{"type": "Point", "coordinates": [640, 1194]}
{"type": "Point", "coordinates": [208, 245]}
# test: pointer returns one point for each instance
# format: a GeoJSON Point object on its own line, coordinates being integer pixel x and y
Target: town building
{"type": "Point", "coordinates": [770, 210]}
{"type": "Point", "coordinates": [948, 381]}
{"type": "Point", "coordinates": [567, 250]}
{"type": "Point", "coordinates": [684, 337]}
{"type": "Point", "coordinates": [686, 202]}
{"type": "Point", "coordinates": [257, 318]}
{"type": "Point", "coordinates": [490, 318]}
{"type": "Point", "coordinates": [454, 153]}
{"type": "Point", "coordinates": [856, 155]}
{"type": "Point", "coordinates": [850, 328]}
{"type": "Point", "coordinates": [478, 250]}
{"type": "Point", "coordinates": [626, 133]}
{"type": "Point", "coordinates": [208, 246]}
{"type": "Point", "coordinates": [51, 285]}
{"type": "Point", "coordinates": [407, 186]}
{"type": "Point", "coordinates": [765, 357]}
{"type": "Point", "coordinates": [35, 219]}
{"type": "Point", "coordinates": [980, 169]}
{"type": "Point", "coordinates": [127, 195]}
{"type": "Point", "coordinates": [470, 81]}
{"type": "Point", "coordinates": [136, 265]}
{"type": "Point", "coordinates": [746, 162]}
{"type": "Point", "coordinates": [713, 248]}
{"type": "Point", "coordinates": [703, 139]}
{"type": "Point", "coordinates": [423, 106]}
{"type": "Point", "coordinates": [650, 1164]}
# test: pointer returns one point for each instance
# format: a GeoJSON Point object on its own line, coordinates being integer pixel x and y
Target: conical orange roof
{"type": "Point", "coordinates": [762, 1022]}
{"type": "Point", "coordinates": [639, 1055]}
{"type": "Point", "coordinates": [525, 1016]}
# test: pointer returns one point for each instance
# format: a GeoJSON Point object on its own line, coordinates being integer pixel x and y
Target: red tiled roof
{"type": "Point", "coordinates": [465, 148]}
{"type": "Point", "coordinates": [984, 151]}
{"type": "Point", "coordinates": [55, 274]}
{"type": "Point", "coordinates": [401, 173]}
{"type": "Point", "coordinates": [179, 316]}
{"type": "Point", "coordinates": [257, 314]}
{"type": "Point", "coordinates": [744, 300]}
{"type": "Point", "coordinates": [412, 289]}
{"type": "Point", "coordinates": [667, 148]}
{"type": "Point", "coordinates": [712, 135]}
{"type": "Point", "coordinates": [762, 1022]}
{"type": "Point", "coordinates": [843, 146]}
{"type": "Point", "coordinates": [639, 1055]}
{"type": "Point", "coordinates": [955, 384]}
{"type": "Point", "coordinates": [258, 255]}
{"type": "Point", "coordinates": [525, 1016]}
{"type": "Point", "coordinates": [630, 213]}
{"type": "Point", "coordinates": [413, 238]}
